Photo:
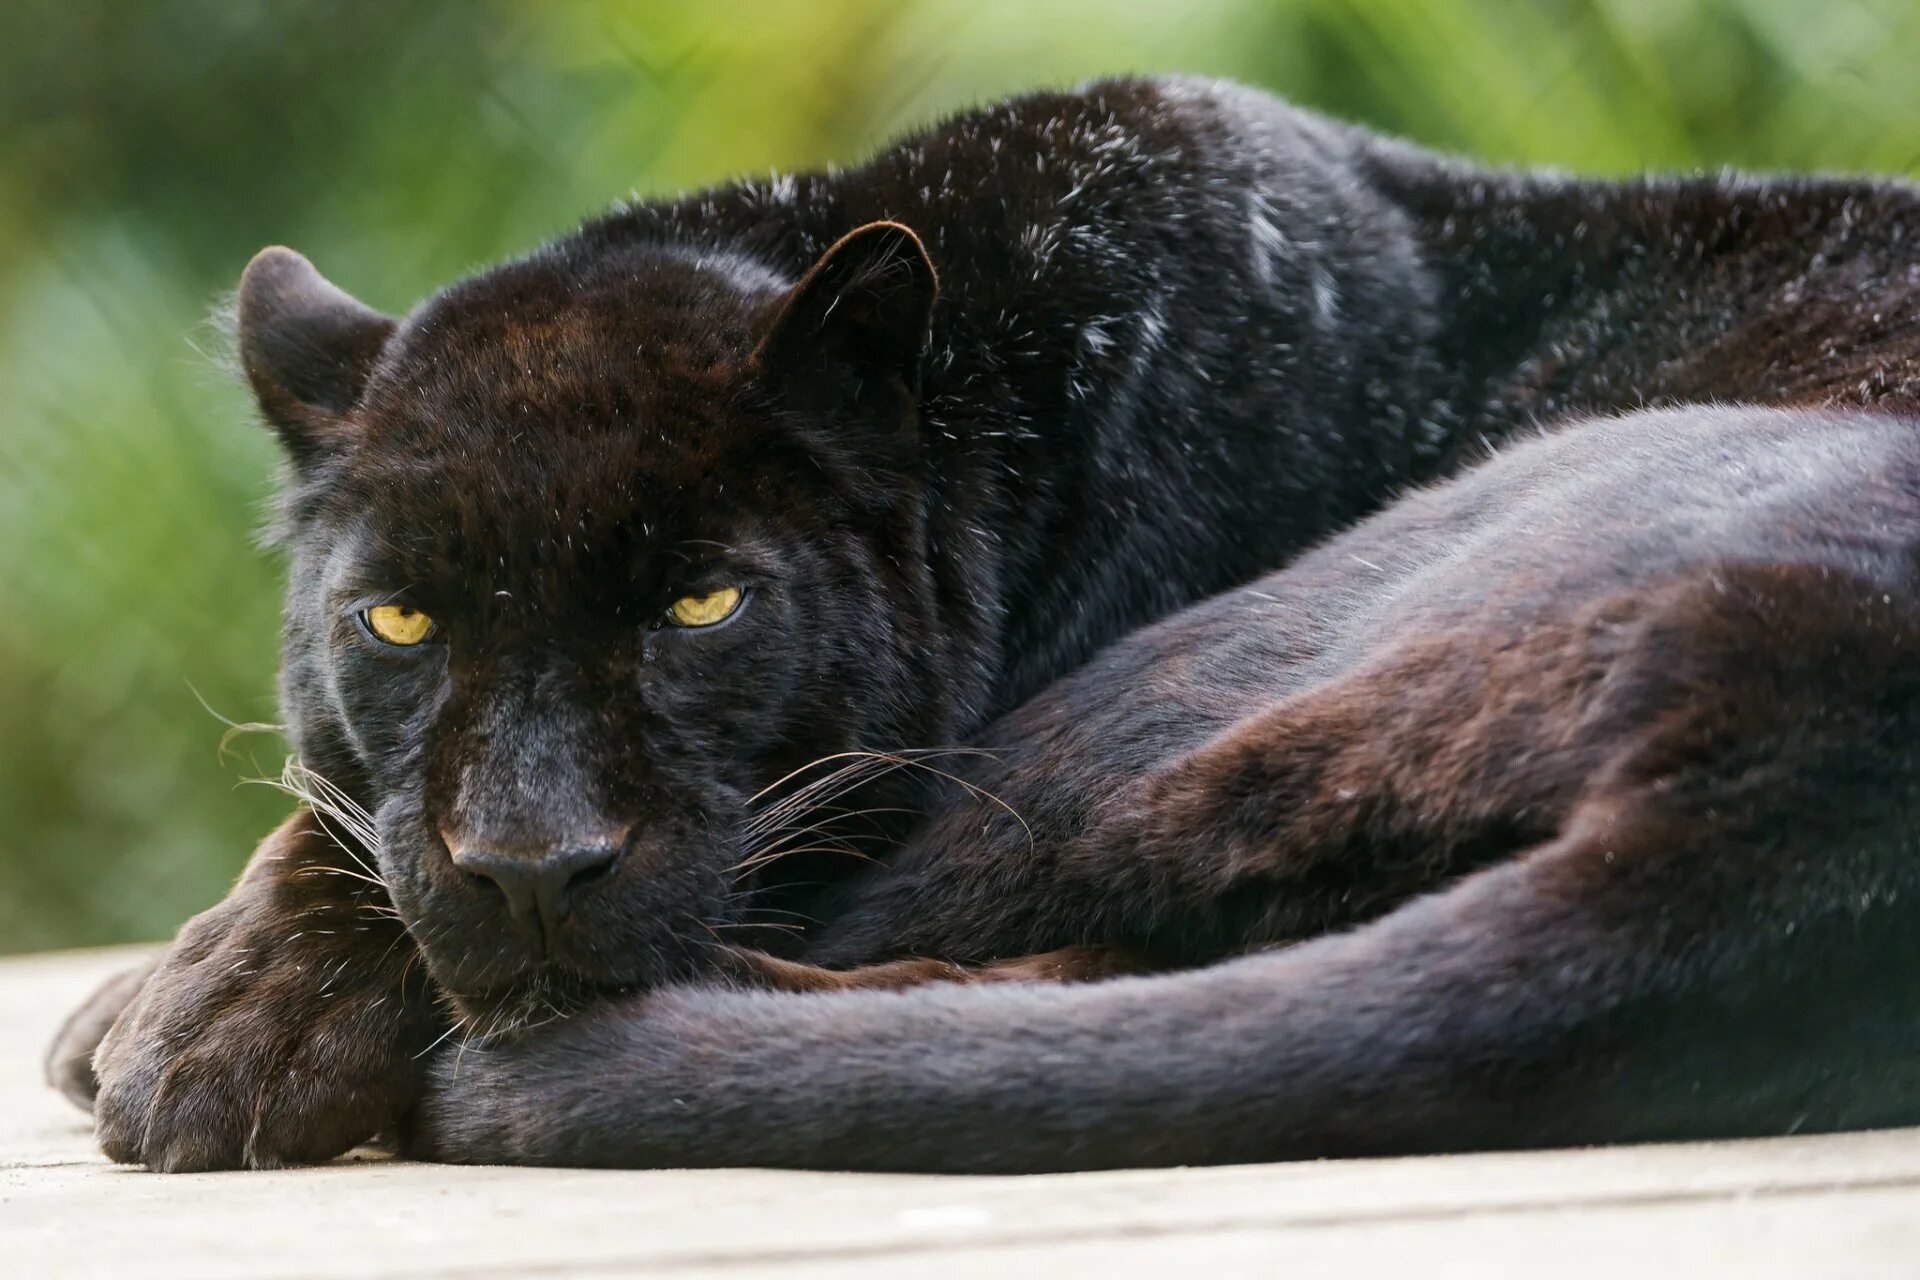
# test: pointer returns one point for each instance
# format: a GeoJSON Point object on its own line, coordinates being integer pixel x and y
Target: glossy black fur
{"type": "Point", "coordinates": [1183, 331]}
{"type": "Point", "coordinates": [1588, 780]}
{"type": "Point", "coordinates": [956, 420]}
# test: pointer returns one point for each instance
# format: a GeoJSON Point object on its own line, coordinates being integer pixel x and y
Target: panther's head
{"type": "Point", "coordinates": [585, 552]}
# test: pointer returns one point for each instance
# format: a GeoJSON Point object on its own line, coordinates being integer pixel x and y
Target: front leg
{"type": "Point", "coordinates": [283, 1026]}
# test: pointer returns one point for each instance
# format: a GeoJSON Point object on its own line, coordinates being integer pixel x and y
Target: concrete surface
{"type": "Point", "coordinates": [1798, 1207]}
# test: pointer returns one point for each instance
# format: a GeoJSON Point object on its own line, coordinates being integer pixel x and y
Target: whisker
{"type": "Point", "coordinates": [340, 871]}
{"type": "Point", "coordinates": [865, 767]}
{"type": "Point", "coordinates": [776, 911]}
{"type": "Point", "coordinates": [979, 791]}
{"type": "Point", "coordinates": [772, 835]}
{"type": "Point", "coordinates": [831, 815]}
{"type": "Point", "coordinates": [328, 801]}
{"type": "Point", "coordinates": [891, 756]}
{"type": "Point", "coordinates": [818, 832]}
{"type": "Point", "coordinates": [235, 728]}
{"type": "Point", "coordinates": [807, 795]}
{"type": "Point", "coordinates": [764, 859]}
{"type": "Point", "coordinates": [442, 1040]}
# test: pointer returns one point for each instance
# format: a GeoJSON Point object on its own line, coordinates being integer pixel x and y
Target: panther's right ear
{"type": "Point", "coordinates": [307, 347]}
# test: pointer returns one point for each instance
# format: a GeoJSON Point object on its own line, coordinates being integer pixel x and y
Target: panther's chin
{"type": "Point", "coordinates": [510, 986]}
{"type": "Point", "coordinates": [545, 994]}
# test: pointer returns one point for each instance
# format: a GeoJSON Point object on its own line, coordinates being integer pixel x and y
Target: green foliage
{"type": "Point", "coordinates": [152, 147]}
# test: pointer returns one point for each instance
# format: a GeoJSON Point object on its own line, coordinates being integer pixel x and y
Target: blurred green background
{"type": "Point", "coordinates": [148, 148]}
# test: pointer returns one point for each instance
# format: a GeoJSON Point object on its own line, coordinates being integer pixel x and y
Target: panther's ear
{"type": "Point", "coordinates": [307, 348]}
{"type": "Point", "coordinates": [866, 306]}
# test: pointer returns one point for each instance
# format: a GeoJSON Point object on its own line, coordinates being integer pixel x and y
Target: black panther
{"type": "Point", "coordinates": [616, 569]}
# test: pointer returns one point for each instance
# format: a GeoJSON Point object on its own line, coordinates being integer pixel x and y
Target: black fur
{"type": "Point", "coordinates": [954, 420]}
{"type": "Point", "coordinates": [1194, 330]}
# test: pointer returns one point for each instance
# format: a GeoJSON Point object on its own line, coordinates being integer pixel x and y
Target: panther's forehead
{"type": "Point", "coordinates": [534, 400]}
{"type": "Point", "coordinates": [660, 348]}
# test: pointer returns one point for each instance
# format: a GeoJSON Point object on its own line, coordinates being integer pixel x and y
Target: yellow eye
{"type": "Point", "coordinates": [704, 611]}
{"type": "Point", "coordinates": [397, 624]}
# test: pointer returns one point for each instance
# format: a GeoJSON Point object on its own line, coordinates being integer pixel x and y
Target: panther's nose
{"type": "Point", "coordinates": [540, 887]}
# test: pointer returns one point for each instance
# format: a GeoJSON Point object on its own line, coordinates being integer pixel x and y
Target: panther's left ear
{"type": "Point", "coordinates": [865, 306]}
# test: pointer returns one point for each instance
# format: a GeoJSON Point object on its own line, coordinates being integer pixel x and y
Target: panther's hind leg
{"type": "Point", "coordinates": [1441, 754]}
